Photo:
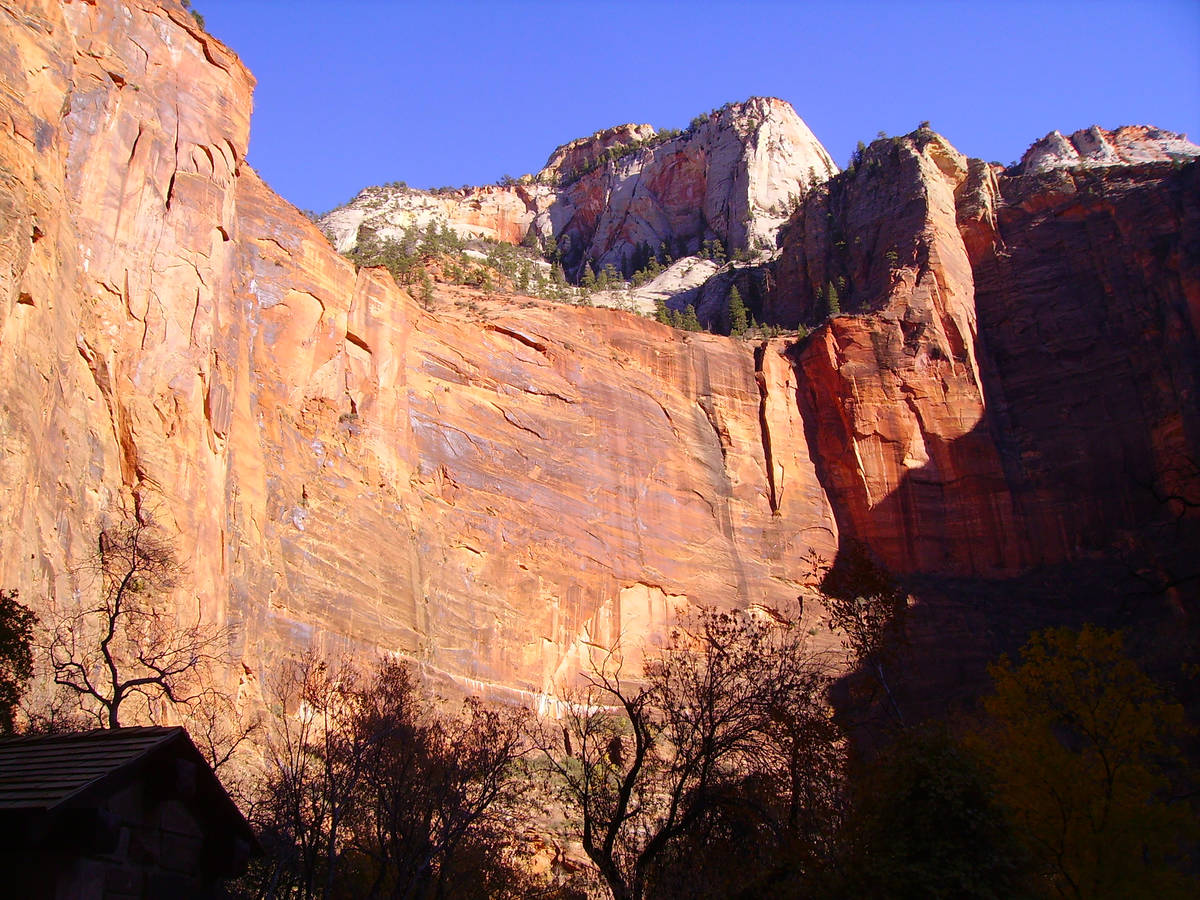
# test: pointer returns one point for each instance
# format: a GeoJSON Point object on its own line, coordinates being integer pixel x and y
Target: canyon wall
{"type": "Point", "coordinates": [1015, 384]}
{"type": "Point", "coordinates": [491, 490]}
{"type": "Point", "coordinates": [498, 486]}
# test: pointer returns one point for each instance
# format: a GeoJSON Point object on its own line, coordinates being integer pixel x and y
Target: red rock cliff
{"type": "Point", "coordinates": [1015, 382]}
{"type": "Point", "coordinates": [496, 490]}
{"type": "Point", "coordinates": [491, 493]}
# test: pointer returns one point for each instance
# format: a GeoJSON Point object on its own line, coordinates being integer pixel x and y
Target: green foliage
{"type": "Point", "coordinates": [187, 4]}
{"type": "Point", "coordinates": [425, 289]}
{"type": "Point", "coordinates": [16, 658]}
{"type": "Point", "coordinates": [832, 300]}
{"type": "Point", "coordinates": [714, 250]}
{"type": "Point", "coordinates": [856, 158]}
{"type": "Point", "coordinates": [439, 247]}
{"type": "Point", "coordinates": [689, 321]}
{"type": "Point", "coordinates": [737, 313]}
{"type": "Point", "coordinates": [661, 314]}
{"type": "Point", "coordinates": [1085, 750]}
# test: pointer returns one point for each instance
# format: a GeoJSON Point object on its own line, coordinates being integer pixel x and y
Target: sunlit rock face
{"type": "Point", "coordinates": [488, 492]}
{"type": "Point", "coordinates": [498, 486]}
{"type": "Point", "coordinates": [1095, 147]}
{"type": "Point", "coordinates": [733, 176]}
{"type": "Point", "coordinates": [609, 199]}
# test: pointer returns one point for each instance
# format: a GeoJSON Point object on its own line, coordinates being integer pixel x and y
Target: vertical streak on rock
{"type": "Point", "coordinates": [764, 429]}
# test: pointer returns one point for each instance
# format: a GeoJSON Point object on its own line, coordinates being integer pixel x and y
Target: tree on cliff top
{"type": "Point", "coordinates": [833, 301]}
{"type": "Point", "coordinates": [738, 320]}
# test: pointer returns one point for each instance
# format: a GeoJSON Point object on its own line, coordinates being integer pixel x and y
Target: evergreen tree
{"type": "Point", "coordinates": [660, 312]}
{"type": "Point", "coordinates": [737, 313]}
{"type": "Point", "coordinates": [426, 289]}
{"type": "Point", "coordinates": [834, 302]}
{"type": "Point", "coordinates": [690, 322]}
{"type": "Point", "coordinates": [589, 278]}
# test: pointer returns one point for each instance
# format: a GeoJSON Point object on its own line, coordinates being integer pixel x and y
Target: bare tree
{"type": "Point", "coordinates": [373, 793]}
{"type": "Point", "coordinates": [715, 725]}
{"type": "Point", "coordinates": [312, 774]}
{"type": "Point", "coordinates": [129, 646]}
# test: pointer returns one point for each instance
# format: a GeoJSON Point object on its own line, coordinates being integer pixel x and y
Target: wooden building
{"type": "Point", "coordinates": [119, 813]}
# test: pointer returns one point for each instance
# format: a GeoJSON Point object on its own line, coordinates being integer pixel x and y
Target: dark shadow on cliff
{"type": "Point", "coordinates": [1130, 560]}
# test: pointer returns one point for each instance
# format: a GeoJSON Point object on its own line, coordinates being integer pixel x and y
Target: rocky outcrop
{"type": "Point", "coordinates": [496, 212]}
{"type": "Point", "coordinates": [626, 192]}
{"type": "Point", "coordinates": [1011, 382]}
{"type": "Point", "coordinates": [1092, 147]}
{"type": "Point", "coordinates": [894, 392]}
{"type": "Point", "coordinates": [734, 176]}
{"type": "Point", "coordinates": [575, 157]}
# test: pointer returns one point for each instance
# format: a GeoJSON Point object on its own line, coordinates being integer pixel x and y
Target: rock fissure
{"type": "Point", "coordinates": [764, 427]}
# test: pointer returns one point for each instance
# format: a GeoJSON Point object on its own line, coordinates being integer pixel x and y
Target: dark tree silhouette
{"type": "Point", "coordinates": [867, 607]}
{"type": "Point", "coordinates": [130, 646]}
{"type": "Point", "coordinates": [371, 793]}
{"type": "Point", "coordinates": [17, 622]}
{"type": "Point", "coordinates": [714, 731]}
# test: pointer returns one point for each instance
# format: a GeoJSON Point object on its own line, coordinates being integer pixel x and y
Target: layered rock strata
{"type": "Point", "coordinates": [1095, 147]}
{"type": "Point", "coordinates": [492, 491]}
{"type": "Point", "coordinates": [498, 487]}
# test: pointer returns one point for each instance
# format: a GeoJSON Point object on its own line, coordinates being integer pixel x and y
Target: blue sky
{"type": "Point", "coordinates": [358, 92]}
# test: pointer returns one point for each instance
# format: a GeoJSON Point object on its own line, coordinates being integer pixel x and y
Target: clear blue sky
{"type": "Point", "coordinates": [358, 92]}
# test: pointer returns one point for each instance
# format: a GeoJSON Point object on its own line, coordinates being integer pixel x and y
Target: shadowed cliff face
{"type": "Point", "coordinates": [1017, 384]}
{"type": "Point", "coordinates": [497, 486]}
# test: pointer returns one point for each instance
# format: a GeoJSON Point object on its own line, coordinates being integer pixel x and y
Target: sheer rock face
{"type": "Point", "coordinates": [1017, 381]}
{"type": "Point", "coordinates": [492, 493]}
{"type": "Point", "coordinates": [496, 487]}
{"type": "Point", "coordinates": [733, 177]}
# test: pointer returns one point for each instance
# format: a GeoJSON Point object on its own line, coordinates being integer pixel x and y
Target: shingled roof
{"type": "Point", "coordinates": [43, 772]}
{"type": "Point", "coordinates": [42, 777]}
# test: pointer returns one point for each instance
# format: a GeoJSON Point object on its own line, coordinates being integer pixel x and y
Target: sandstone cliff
{"type": "Point", "coordinates": [613, 197]}
{"type": "Point", "coordinates": [490, 491]}
{"type": "Point", "coordinates": [1016, 382]}
{"type": "Point", "coordinates": [1094, 147]}
{"type": "Point", "coordinates": [495, 486]}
